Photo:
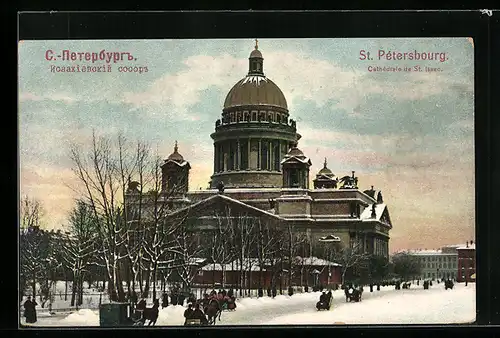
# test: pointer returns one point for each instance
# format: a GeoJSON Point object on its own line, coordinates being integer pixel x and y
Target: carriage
{"type": "Point", "coordinates": [120, 314]}
{"type": "Point", "coordinates": [193, 322]}
{"type": "Point", "coordinates": [353, 294]}
{"type": "Point", "coordinates": [448, 284]}
{"type": "Point", "coordinates": [322, 305]}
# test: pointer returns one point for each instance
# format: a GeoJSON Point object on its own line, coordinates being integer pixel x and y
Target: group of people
{"type": "Point", "coordinates": [223, 298]}
{"type": "Point", "coordinates": [353, 292]}
{"type": "Point", "coordinates": [30, 310]}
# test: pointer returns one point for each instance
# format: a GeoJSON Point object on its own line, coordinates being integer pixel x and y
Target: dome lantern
{"type": "Point", "coordinates": [256, 62]}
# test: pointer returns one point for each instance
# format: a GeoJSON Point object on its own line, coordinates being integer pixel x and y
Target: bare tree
{"type": "Point", "coordinates": [186, 252]}
{"type": "Point", "coordinates": [79, 247]}
{"type": "Point", "coordinates": [405, 265]}
{"type": "Point", "coordinates": [31, 213]}
{"type": "Point", "coordinates": [293, 242]}
{"type": "Point", "coordinates": [267, 239]}
{"type": "Point", "coordinates": [161, 224]}
{"type": "Point", "coordinates": [220, 250]}
{"type": "Point", "coordinates": [33, 243]}
{"type": "Point", "coordinates": [349, 257]}
{"type": "Point", "coordinates": [244, 226]}
{"type": "Point", "coordinates": [97, 170]}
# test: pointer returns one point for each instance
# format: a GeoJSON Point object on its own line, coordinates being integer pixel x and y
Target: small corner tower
{"type": "Point", "coordinates": [175, 173]}
{"type": "Point", "coordinates": [325, 179]}
{"type": "Point", "coordinates": [295, 167]}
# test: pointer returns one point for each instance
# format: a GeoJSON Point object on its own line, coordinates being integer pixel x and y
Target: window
{"type": "Point", "coordinates": [276, 153]}
{"type": "Point", "coordinates": [264, 158]}
{"type": "Point", "coordinates": [294, 178]}
{"type": "Point", "coordinates": [230, 163]}
{"type": "Point", "coordinates": [254, 116]}
{"type": "Point", "coordinates": [244, 155]}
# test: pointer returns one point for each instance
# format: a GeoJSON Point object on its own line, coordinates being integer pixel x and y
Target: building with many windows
{"type": "Point", "coordinates": [434, 264]}
{"type": "Point", "coordinates": [451, 261]}
{"type": "Point", "coordinates": [467, 262]}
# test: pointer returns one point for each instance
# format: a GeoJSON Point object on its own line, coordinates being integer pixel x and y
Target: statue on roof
{"type": "Point", "coordinates": [220, 187]}
{"type": "Point", "coordinates": [349, 182]}
{"type": "Point", "coordinates": [379, 197]}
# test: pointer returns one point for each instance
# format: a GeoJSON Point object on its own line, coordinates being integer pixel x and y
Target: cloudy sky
{"type": "Point", "coordinates": [409, 134]}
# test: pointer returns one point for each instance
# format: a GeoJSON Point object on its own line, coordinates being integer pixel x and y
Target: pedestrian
{"type": "Point", "coordinates": [164, 302]}
{"type": "Point", "coordinates": [198, 314]}
{"type": "Point", "coordinates": [30, 310]}
{"type": "Point", "coordinates": [188, 313]}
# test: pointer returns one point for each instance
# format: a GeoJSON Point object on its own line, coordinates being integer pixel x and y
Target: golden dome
{"type": "Point", "coordinates": [255, 90]}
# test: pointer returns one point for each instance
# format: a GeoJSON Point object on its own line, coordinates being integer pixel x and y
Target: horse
{"type": "Point", "coordinates": [150, 314]}
{"type": "Point", "coordinates": [212, 311]}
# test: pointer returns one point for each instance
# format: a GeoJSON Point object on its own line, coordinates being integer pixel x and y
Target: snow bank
{"type": "Point", "coordinates": [83, 317]}
{"type": "Point", "coordinates": [171, 315]}
{"type": "Point", "coordinates": [413, 306]}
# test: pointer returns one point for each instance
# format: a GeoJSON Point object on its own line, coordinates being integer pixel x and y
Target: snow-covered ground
{"type": "Point", "coordinates": [388, 306]}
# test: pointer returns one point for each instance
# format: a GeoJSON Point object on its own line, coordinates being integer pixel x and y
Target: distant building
{"type": "Point", "coordinates": [467, 262]}
{"type": "Point", "coordinates": [450, 261]}
{"type": "Point", "coordinates": [441, 263]}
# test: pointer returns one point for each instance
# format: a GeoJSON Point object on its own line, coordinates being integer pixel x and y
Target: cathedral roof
{"type": "Point", "coordinates": [255, 88]}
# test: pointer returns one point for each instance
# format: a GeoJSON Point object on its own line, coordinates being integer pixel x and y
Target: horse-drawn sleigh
{"type": "Point", "coordinates": [325, 302]}
{"type": "Point", "coordinates": [353, 294]}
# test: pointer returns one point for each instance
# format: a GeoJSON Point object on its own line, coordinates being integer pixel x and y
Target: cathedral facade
{"type": "Point", "coordinates": [259, 167]}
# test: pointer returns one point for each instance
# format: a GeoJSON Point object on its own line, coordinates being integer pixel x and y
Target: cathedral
{"type": "Point", "coordinates": [259, 168]}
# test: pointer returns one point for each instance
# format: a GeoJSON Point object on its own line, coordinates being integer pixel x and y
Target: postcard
{"type": "Point", "coordinates": [185, 182]}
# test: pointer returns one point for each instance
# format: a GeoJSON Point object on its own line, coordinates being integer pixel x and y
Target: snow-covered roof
{"type": "Point", "coordinates": [426, 252]}
{"type": "Point", "coordinates": [248, 264]}
{"type": "Point", "coordinates": [315, 261]}
{"type": "Point", "coordinates": [301, 160]}
{"type": "Point", "coordinates": [467, 247]}
{"type": "Point", "coordinates": [254, 78]}
{"type": "Point", "coordinates": [181, 164]}
{"type": "Point", "coordinates": [366, 215]}
{"type": "Point", "coordinates": [196, 260]}
{"type": "Point", "coordinates": [229, 199]}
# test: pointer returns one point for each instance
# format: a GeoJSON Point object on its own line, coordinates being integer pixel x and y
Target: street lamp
{"type": "Point", "coordinates": [329, 239]}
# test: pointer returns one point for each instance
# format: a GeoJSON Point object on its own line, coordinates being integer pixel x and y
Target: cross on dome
{"type": "Point", "coordinates": [256, 44]}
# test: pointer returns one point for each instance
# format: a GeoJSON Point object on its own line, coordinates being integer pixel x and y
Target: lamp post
{"type": "Point", "coordinates": [329, 239]}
